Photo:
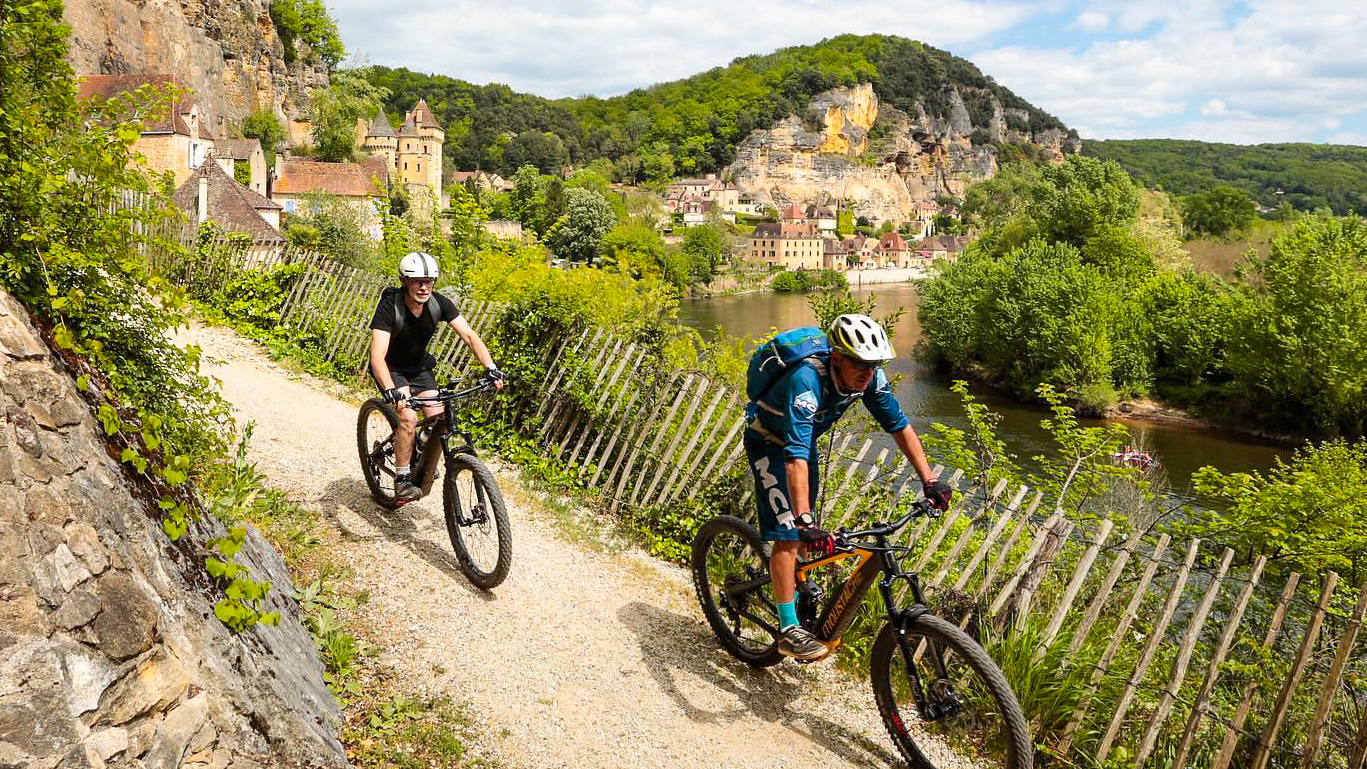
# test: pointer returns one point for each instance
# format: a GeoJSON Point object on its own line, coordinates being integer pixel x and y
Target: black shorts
{"type": "Point", "coordinates": [417, 383]}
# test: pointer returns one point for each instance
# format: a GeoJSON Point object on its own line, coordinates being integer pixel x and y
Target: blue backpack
{"type": "Point", "coordinates": [779, 356]}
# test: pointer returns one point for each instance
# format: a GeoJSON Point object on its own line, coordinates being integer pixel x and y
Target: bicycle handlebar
{"type": "Point", "coordinates": [448, 392]}
{"type": "Point", "coordinates": [919, 508]}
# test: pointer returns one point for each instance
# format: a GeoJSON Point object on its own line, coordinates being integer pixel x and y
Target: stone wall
{"type": "Point", "coordinates": [226, 50]}
{"type": "Point", "coordinates": [108, 656]}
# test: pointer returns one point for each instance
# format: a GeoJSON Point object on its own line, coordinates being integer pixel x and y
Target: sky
{"type": "Point", "coordinates": [1238, 71]}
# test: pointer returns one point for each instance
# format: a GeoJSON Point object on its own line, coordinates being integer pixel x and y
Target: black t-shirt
{"type": "Point", "coordinates": [408, 348]}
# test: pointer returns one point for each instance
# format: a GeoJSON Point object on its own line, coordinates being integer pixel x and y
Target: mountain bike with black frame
{"type": "Point", "coordinates": [929, 676]}
{"type": "Point", "coordinates": [476, 518]}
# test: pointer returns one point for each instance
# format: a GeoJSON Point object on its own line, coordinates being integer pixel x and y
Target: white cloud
{"type": "Point", "coordinates": [1092, 21]}
{"type": "Point", "coordinates": [1259, 72]}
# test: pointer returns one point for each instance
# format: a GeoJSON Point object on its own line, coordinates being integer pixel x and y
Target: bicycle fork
{"type": "Point", "coordinates": [941, 701]}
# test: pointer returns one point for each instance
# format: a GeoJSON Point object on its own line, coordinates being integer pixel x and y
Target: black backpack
{"type": "Point", "coordinates": [401, 308]}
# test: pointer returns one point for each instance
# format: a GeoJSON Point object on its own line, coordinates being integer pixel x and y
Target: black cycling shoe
{"type": "Point", "coordinates": [404, 490]}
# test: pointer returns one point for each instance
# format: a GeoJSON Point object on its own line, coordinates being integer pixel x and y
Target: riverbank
{"type": "Point", "coordinates": [860, 278]}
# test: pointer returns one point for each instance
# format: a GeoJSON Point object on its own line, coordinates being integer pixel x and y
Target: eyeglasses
{"type": "Point", "coordinates": [422, 282]}
{"type": "Point", "coordinates": [861, 365]}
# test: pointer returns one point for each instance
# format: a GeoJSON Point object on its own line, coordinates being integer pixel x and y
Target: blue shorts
{"type": "Point", "coordinates": [771, 489]}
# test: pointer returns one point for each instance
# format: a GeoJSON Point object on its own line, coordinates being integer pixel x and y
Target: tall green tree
{"type": "Point", "coordinates": [702, 245]}
{"type": "Point", "coordinates": [335, 111]}
{"type": "Point", "coordinates": [1220, 211]}
{"type": "Point", "coordinates": [265, 127]}
{"type": "Point", "coordinates": [587, 219]}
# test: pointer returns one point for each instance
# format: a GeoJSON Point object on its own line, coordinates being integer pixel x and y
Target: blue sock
{"type": "Point", "coordinates": [787, 615]}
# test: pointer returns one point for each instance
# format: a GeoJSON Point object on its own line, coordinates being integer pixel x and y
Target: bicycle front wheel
{"type": "Point", "coordinates": [375, 440]}
{"type": "Point", "coordinates": [477, 521]}
{"type": "Point", "coordinates": [731, 575]}
{"type": "Point", "coordinates": [973, 714]}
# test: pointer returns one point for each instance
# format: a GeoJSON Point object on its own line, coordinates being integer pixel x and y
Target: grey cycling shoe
{"type": "Point", "coordinates": [404, 490]}
{"type": "Point", "coordinates": [798, 642]}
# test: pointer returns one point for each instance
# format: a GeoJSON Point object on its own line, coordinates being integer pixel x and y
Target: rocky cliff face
{"type": "Point", "coordinates": [881, 160]}
{"type": "Point", "coordinates": [107, 656]}
{"type": "Point", "coordinates": [226, 50]}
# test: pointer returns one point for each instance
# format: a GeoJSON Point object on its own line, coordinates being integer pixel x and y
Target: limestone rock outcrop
{"type": "Point", "coordinates": [228, 52]}
{"type": "Point", "coordinates": [108, 655]}
{"type": "Point", "coordinates": [848, 146]}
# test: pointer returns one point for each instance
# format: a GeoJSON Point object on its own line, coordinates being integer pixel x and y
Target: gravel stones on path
{"type": "Point", "coordinates": [582, 658]}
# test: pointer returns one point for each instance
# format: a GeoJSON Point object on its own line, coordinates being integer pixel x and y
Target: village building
{"type": "Point", "coordinates": [177, 138]}
{"type": "Point", "coordinates": [710, 189]}
{"type": "Point", "coordinates": [362, 185]}
{"type": "Point", "coordinates": [503, 229]}
{"type": "Point", "coordinates": [893, 251]}
{"type": "Point", "coordinates": [824, 217]}
{"type": "Point", "coordinates": [209, 194]}
{"type": "Point", "coordinates": [790, 246]}
{"type": "Point", "coordinates": [481, 180]}
{"type": "Point", "coordinates": [947, 247]}
{"type": "Point", "coordinates": [243, 160]}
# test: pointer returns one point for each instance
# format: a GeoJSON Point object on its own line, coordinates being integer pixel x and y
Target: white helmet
{"type": "Point", "coordinates": [417, 264]}
{"type": "Point", "coordinates": [861, 338]}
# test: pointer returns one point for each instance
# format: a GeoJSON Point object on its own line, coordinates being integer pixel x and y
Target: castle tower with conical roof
{"type": "Point", "coordinates": [418, 149]}
{"type": "Point", "coordinates": [379, 139]}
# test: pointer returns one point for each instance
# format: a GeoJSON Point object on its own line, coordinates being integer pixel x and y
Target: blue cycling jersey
{"type": "Point", "coordinates": [803, 405]}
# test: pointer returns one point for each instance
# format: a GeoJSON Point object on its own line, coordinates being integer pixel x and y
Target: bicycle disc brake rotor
{"type": "Point", "coordinates": [944, 701]}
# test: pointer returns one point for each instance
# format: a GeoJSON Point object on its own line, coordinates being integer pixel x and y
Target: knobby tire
{"type": "Point", "coordinates": [711, 569]}
{"type": "Point", "coordinates": [372, 476]}
{"type": "Point", "coordinates": [490, 499]}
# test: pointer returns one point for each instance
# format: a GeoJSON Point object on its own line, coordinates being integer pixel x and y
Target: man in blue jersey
{"type": "Point", "coordinates": [782, 428]}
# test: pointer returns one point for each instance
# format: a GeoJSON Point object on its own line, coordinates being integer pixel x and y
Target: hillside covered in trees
{"type": "Point", "coordinates": [1311, 176]}
{"type": "Point", "coordinates": [692, 126]}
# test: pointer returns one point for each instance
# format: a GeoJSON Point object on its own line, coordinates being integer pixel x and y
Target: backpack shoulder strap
{"type": "Point", "coordinates": [399, 309]}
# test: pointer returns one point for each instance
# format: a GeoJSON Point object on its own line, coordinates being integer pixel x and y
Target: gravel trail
{"type": "Point", "coordinates": [583, 657]}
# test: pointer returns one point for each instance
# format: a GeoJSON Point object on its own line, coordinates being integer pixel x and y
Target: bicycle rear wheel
{"type": "Point", "coordinates": [375, 440]}
{"type": "Point", "coordinates": [477, 521]}
{"type": "Point", "coordinates": [731, 575]}
{"type": "Point", "coordinates": [983, 722]}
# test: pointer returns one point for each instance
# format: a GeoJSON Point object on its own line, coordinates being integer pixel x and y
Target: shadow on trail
{"type": "Point", "coordinates": [398, 526]}
{"type": "Point", "coordinates": [674, 644]}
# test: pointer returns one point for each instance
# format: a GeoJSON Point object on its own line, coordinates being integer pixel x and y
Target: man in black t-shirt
{"type": "Point", "coordinates": [404, 322]}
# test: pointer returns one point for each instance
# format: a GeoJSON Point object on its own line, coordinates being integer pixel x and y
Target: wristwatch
{"type": "Point", "coordinates": [804, 520]}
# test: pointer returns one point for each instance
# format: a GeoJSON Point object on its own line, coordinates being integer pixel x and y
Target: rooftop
{"type": "Point", "coordinates": [296, 176]}
{"type": "Point", "coordinates": [231, 205]}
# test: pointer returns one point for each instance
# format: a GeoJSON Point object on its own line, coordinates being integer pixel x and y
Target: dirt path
{"type": "Point", "coordinates": [582, 658]}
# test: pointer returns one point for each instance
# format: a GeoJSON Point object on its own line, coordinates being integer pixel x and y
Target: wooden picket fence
{"type": "Point", "coordinates": [1155, 624]}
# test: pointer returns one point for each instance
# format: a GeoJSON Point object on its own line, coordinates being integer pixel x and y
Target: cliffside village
{"type": "Point", "coordinates": [237, 191]}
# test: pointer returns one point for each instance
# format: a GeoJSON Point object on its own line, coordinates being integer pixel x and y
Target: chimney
{"type": "Point", "coordinates": [202, 206]}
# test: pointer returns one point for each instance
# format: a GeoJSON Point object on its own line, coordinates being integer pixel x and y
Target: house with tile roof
{"type": "Point", "coordinates": [787, 245]}
{"type": "Point", "coordinates": [243, 160]}
{"type": "Point", "coordinates": [177, 138]}
{"type": "Point", "coordinates": [211, 195]}
{"type": "Point", "coordinates": [946, 247]}
{"type": "Point", "coordinates": [362, 185]}
{"type": "Point", "coordinates": [893, 251]}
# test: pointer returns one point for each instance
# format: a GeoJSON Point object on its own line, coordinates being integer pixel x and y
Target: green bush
{"type": "Point", "coordinates": [806, 280]}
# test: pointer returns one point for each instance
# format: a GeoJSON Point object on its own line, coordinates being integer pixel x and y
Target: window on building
{"type": "Point", "coordinates": [405, 165]}
{"type": "Point", "coordinates": [289, 206]}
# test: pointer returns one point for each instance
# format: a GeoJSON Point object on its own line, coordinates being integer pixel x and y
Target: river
{"type": "Point", "coordinates": [926, 397]}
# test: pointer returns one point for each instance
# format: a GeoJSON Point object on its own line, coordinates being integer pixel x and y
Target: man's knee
{"type": "Point", "coordinates": [408, 418]}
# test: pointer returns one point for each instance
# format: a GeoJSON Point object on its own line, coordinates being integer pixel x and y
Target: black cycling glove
{"type": "Point", "coordinates": [817, 541]}
{"type": "Point", "coordinates": [394, 395]}
{"type": "Point", "coordinates": [939, 493]}
{"type": "Point", "coordinates": [493, 374]}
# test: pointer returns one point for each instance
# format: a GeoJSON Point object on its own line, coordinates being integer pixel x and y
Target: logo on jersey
{"type": "Point", "coordinates": [880, 381]}
{"type": "Point", "coordinates": [805, 403]}
{"type": "Point", "coordinates": [770, 486]}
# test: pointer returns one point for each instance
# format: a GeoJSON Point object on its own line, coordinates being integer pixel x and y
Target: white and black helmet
{"type": "Point", "coordinates": [860, 337]}
{"type": "Point", "coordinates": [417, 264]}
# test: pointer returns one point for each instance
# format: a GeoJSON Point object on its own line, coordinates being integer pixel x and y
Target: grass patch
{"type": "Point", "coordinates": [1219, 256]}
{"type": "Point", "coordinates": [387, 729]}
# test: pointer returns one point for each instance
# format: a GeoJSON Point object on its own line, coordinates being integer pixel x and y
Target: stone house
{"type": "Point", "coordinates": [176, 139]}
{"type": "Point", "coordinates": [791, 246]}
{"type": "Point", "coordinates": [710, 189]}
{"type": "Point", "coordinates": [862, 252]}
{"type": "Point", "coordinates": [483, 180]}
{"type": "Point", "coordinates": [946, 247]}
{"type": "Point", "coordinates": [211, 195]}
{"type": "Point", "coordinates": [245, 154]}
{"type": "Point", "coordinates": [893, 251]}
{"type": "Point", "coordinates": [362, 185]}
{"type": "Point", "coordinates": [824, 217]}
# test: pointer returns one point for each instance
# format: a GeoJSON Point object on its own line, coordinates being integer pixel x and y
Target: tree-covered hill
{"type": "Point", "coordinates": [692, 126]}
{"type": "Point", "coordinates": [1310, 176]}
